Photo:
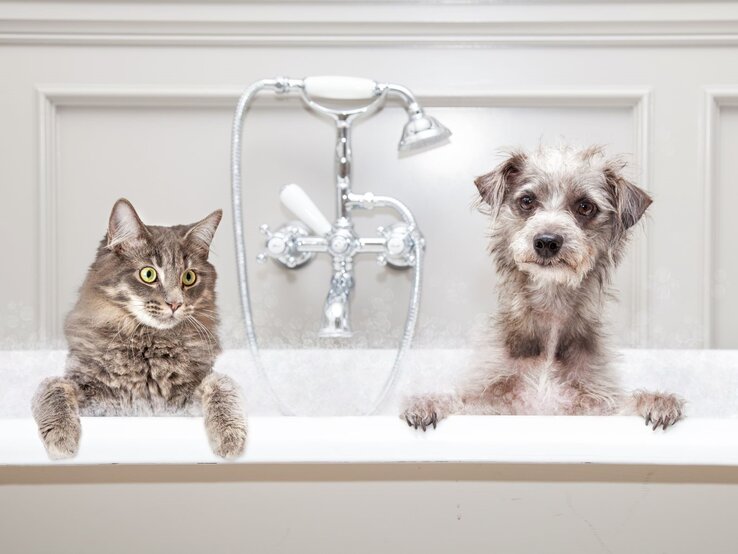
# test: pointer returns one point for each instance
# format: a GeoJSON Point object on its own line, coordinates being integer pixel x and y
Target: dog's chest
{"type": "Point", "coordinates": [541, 387]}
{"type": "Point", "coordinates": [541, 391]}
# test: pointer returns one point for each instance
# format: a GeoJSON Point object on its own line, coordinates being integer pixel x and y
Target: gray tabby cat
{"type": "Point", "coordinates": [142, 337]}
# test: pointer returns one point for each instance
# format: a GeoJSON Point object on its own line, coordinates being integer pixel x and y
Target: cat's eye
{"type": "Point", "coordinates": [586, 208]}
{"type": "Point", "coordinates": [188, 278]}
{"type": "Point", "coordinates": [147, 274]}
{"type": "Point", "coordinates": [526, 201]}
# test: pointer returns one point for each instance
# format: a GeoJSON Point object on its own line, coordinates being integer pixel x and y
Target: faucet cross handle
{"type": "Point", "coordinates": [400, 245]}
{"type": "Point", "coordinates": [283, 245]}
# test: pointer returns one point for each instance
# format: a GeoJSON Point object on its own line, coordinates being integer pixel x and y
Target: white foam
{"type": "Point", "coordinates": [334, 382]}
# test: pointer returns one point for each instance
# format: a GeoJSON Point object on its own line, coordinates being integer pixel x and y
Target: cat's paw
{"type": "Point", "coordinates": [659, 409]}
{"type": "Point", "coordinates": [55, 410]}
{"type": "Point", "coordinates": [61, 439]}
{"type": "Point", "coordinates": [422, 412]}
{"type": "Point", "coordinates": [224, 418]}
{"type": "Point", "coordinates": [228, 440]}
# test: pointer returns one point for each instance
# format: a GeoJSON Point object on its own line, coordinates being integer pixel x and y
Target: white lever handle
{"type": "Point", "coordinates": [298, 202]}
{"type": "Point", "coordinates": [340, 88]}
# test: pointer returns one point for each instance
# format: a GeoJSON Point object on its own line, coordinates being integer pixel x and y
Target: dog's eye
{"type": "Point", "coordinates": [586, 208]}
{"type": "Point", "coordinates": [526, 201]}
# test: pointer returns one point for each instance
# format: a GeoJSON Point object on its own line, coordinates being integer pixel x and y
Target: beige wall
{"type": "Point", "coordinates": [369, 509]}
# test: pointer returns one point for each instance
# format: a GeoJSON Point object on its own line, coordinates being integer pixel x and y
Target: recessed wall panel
{"type": "Point", "coordinates": [173, 164]}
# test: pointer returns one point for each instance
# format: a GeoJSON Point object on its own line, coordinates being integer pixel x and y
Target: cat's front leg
{"type": "Point", "coordinates": [56, 411]}
{"type": "Point", "coordinates": [225, 423]}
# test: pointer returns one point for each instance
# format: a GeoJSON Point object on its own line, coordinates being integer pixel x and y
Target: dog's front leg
{"type": "Point", "coordinates": [492, 398]}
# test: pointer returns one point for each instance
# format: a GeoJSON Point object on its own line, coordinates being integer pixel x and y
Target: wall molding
{"type": "Point", "coordinates": [643, 115]}
{"type": "Point", "coordinates": [715, 98]}
{"type": "Point", "coordinates": [48, 294]}
{"type": "Point", "coordinates": [53, 97]}
{"type": "Point", "coordinates": [351, 23]}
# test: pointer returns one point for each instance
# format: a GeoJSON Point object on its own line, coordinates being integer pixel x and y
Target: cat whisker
{"type": "Point", "coordinates": [204, 311]}
{"type": "Point", "coordinates": [121, 324]}
{"type": "Point", "coordinates": [207, 334]}
{"type": "Point", "coordinates": [207, 315]}
{"type": "Point", "coordinates": [207, 331]}
{"type": "Point", "coordinates": [202, 337]}
{"type": "Point", "coordinates": [193, 324]}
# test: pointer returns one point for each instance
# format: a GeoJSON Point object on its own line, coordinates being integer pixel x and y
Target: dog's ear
{"type": "Point", "coordinates": [630, 201]}
{"type": "Point", "coordinates": [492, 186]}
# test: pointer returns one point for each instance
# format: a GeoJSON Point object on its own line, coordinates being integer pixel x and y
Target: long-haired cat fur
{"type": "Point", "coordinates": [142, 337]}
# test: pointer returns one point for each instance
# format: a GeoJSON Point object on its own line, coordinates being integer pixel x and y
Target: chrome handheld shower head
{"type": "Point", "coordinates": [422, 131]}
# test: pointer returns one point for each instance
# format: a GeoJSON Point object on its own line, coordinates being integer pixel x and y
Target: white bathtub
{"type": "Point", "coordinates": [370, 484]}
{"type": "Point", "coordinates": [335, 385]}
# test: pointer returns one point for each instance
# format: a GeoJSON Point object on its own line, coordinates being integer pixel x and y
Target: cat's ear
{"type": "Point", "coordinates": [125, 228]}
{"type": "Point", "coordinates": [200, 234]}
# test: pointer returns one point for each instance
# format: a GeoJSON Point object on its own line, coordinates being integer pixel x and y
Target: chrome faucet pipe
{"type": "Point", "coordinates": [369, 201]}
{"type": "Point", "coordinates": [343, 165]}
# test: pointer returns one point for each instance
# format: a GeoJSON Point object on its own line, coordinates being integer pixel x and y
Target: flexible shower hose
{"type": "Point", "coordinates": [412, 315]}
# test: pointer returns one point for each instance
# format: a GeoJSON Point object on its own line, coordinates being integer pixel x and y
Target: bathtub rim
{"type": "Point", "coordinates": [613, 440]}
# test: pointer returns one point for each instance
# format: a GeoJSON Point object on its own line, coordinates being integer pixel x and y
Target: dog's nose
{"type": "Point", "coordinates": [547, 244]}
{"type": "Point", "coordinates": [174, 305]}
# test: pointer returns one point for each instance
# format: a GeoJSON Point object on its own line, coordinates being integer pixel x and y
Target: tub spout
{"type": "Point", "coordinates": [335, 322]}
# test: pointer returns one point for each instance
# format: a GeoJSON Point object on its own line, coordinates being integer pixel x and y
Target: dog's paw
{"type": "Point", "coordinates": [61, 439]}
{"type": "Point", "coordinates": [422, 412]}
{"type": "Point", "coordinates": [659, 409]}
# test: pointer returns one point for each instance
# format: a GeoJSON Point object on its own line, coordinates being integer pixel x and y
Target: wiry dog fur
{"type": "Point", "coordinates": [547, 354]}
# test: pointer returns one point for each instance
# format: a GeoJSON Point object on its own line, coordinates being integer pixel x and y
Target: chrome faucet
{"type": "Point", "coordinates": [295, 243]}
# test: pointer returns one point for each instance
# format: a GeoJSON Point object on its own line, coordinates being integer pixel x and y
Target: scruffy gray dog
{"type": "Point", "coordinates": [143, 337]}
{"type": "Point", "coordinates": [560, 220]}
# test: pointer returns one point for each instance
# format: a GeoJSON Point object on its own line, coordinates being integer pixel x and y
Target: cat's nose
{"type": "Point", "coordinates": [174, 305]}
